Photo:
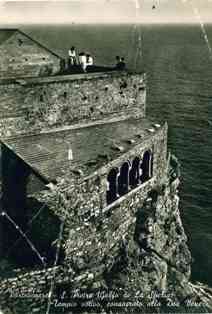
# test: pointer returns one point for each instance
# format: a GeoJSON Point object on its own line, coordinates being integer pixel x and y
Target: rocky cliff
{"type": "Point", "coordinates": [149, 273]}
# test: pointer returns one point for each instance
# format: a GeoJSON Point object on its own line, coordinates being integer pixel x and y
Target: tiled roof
{"type": "Point", "coordinates": [92, 147]}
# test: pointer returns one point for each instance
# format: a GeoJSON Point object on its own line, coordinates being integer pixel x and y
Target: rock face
{"type": "Point", "coordinates": [149, 273]}
{"type": "Point", "coordinates": [155, 266]}
{"type": "Point", "coordinates": [158, 247]}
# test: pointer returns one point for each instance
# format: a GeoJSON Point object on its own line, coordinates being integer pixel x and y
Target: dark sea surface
{"type": "Point", "coordinates": [179, 72]}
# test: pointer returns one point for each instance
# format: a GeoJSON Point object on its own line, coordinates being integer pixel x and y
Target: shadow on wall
{"type": "Point", "coordinates": [75, 69]}
{"type": "Point", "coordinates": [25, 214]}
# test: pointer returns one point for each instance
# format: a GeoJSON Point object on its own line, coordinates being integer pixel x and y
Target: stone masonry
{"type": "Point", "coordinates": [40, 104]}
{"type": "Point", "coordinates": [21, 56]}
{"type": "Point", "coordinates": [132, 245]}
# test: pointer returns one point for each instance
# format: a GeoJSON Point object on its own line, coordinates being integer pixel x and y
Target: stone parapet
{"type": "Point", "coordinates": [67, 100]}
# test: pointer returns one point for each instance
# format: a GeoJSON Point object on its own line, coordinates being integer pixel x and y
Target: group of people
{"type": "Point", "coordinates": [120, 63]}
{"type": "Point", "coordinates": [82, 59]}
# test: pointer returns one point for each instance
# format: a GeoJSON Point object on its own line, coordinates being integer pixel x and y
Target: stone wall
{"type": "Point", "coordinates": [107, 222]}
{"type": "Point", "coordinates": [59, 101]}
{"type": "Point", "coordinates": [23, 57]}
{"type": "Point", "coordinates": [99, 235]}
{"type": "Point", "coordinates": [119, 216]}
{"type": "Point", "coordinates": [96, 227]}
{"type": "Point", "coordinates": [153, 252]}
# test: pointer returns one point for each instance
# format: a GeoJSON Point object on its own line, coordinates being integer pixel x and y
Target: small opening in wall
{"type": "Point", "coordinates": [44, 58]}
{"type": "Point", "coordinates": [26, 59]}
{"type": "Point", "coordinates": [78, 172]}
{"type": "Point", "coordinates": [20, 42]}
{"type": "Point", "coordinates": [123, 84]}
{"type": "Point", "coordinates": [109, 214]}
{"type": "Point", "coordinates": [65, 94]}
{"type": "Point", "coordinates": [141, 88]}
{"type": "Point", "coordinates": [41, 98]}
{"type": "Point", "coordinates": [87, 214]}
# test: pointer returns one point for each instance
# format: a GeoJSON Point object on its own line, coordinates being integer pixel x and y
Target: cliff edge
{"type": "Point", "coordinates": [150, 271]}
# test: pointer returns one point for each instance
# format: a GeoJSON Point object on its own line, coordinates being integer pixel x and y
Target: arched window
{"type": "Point", "coordinates": [123, 179]}
{"type": "Point", "coordinates": [134, 175]}
{"type": "Point", "coordinates": [146, 166]}
{"type": "Point", "coordinates": [112, 185]}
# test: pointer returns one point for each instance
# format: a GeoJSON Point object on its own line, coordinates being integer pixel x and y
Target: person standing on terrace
{"type": "Point", "coordinates": [120, 63]}
{"type": "Point", "coordinates": [72, 56]}
{"type": "Point", "coordinates": [83, 61]}
{"type": "Point", "coordinates": [89, 59]}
